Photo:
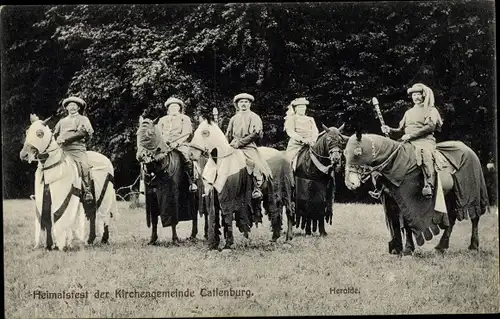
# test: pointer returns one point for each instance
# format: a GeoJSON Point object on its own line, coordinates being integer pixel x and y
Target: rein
{"type": "Point", "coordinates": [367, 172]}
{"type": "Point", "coordinates": [45, 155]}
{"type": "Point", "coordinates": [314, 158]}
{"type": "Point", "coordinates": [206, 153]}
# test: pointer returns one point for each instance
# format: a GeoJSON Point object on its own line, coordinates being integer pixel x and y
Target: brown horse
{"type": "Point", "coordinates": [166, 184]}
{"type": "Point", "coordinates": [461, 179]}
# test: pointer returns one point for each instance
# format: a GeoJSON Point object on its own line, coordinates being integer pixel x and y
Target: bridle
{"type": "Point", "coordinates": [365, 171]}
{"type": "Point", "coordinates": [205, 152]}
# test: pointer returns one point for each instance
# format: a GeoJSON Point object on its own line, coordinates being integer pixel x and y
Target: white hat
{"type": "Point", "coordinates": [418, 87]}
{"type": "Point", "coordinates": [243, 96]}
{"type": "Point", "coordinates": [300, 101]}
{"type": "Point", "coordinates": [75, 99]}
{"type": "Point", "coordinates": [172, 100]}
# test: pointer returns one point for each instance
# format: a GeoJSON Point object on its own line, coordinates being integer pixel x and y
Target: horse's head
{"type": "Point", "coordinates": [335, 142]}
{"type": "Point", "coordinates": [37, 141]}
{"type": "Point", "coordinates": [150, 144]}
{"type": "Point", "coordinates": [206, 137]}
{"type": "Point", "coordinates": [359, 156]}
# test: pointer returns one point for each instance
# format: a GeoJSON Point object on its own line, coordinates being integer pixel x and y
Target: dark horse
{"type": "Point", "coordinates": [314, 192]}
{"type": "Point", "coordinates": [166, 184]}
{"type": "Point", "coordinates": [460, 176]}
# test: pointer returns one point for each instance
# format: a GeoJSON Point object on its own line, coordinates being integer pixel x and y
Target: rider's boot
{"type": "Point", "coordinates": [188, 165]}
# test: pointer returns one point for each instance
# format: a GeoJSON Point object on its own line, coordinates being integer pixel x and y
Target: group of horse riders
{"type": "Point", "coordinates": [245, 128]}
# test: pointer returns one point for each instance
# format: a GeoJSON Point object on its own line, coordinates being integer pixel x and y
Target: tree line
{"type": "Point", "coordinates": [126, 60]}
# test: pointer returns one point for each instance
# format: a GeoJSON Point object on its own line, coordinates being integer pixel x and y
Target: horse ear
{"type": "Point", "coordinates": [341, 128]}
{"type": "Point", "coordinates": [33, 118]}
{"type": "Point", "coordinates": [141, 119]}
{"type": "Point", "coordinates": [358, 135]}
{"type": "Point", "coordinates": [155, 121]}
{"type": "Point", "coordinates": [44, 122]}
{"type": "Point", "coordinates": [325, 127]}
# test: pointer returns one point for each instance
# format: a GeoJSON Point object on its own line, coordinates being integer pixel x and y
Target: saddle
{"type": "Point", "coordinates": [296, 157]}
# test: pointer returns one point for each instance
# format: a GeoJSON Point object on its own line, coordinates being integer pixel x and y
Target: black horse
{"type": "Point", "coordinates": [462, 179]}
{"type": "Point", "coordinates": [314, 187]}
{"type": "Point", "coordinates": [166, 185]}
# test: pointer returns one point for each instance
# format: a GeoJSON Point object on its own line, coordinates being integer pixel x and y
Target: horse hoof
{"type": "Point", "coordinates": [407, 252]}
{"type": "Point", "coordinates": [395, 252]}
{"type": "Point", "coordinates": [152, 242]}
{"type": "Point", "coordinates": [323, 234]}
{"type": "Point", "coordinates": [473, 247]}
{"type": "Point", "coordinates": [105, 242]}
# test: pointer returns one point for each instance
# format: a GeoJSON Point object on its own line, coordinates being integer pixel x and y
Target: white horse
{"type": "Point", "coordinates": [228, 173]}
{"type": "Point", "coordinates": [58, 191]}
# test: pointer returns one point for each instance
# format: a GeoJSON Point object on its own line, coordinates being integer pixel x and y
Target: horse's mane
{"type": "Point", "coordinates": [150, 144]}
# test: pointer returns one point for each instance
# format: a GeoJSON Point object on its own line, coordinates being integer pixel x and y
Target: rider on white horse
{"type": "Point", "coordinates": [419, 124]}
{"type": "Point", "coordinates": [244, 129]}
{"type": "Point", "coordinates": [72, 132]}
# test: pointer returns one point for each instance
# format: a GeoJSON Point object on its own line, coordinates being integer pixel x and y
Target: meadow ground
{"type": "Point", "coordinates": [295, 279]}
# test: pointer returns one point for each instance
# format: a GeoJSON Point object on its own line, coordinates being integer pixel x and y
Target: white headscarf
{"type": "Point", "coordinates": [428, 102]}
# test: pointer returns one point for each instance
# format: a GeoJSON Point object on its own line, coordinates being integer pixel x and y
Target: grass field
{"type": "Point", "coordinates": [293, 279]}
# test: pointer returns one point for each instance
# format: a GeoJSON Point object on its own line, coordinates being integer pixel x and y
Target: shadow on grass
{"type": "Point", "coordinates": [432, 254]}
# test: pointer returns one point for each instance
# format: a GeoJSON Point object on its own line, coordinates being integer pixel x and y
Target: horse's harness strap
{"type": "Point", "coordinates": [316, 154]}
{"type": "Point", "coordinates": [48, 145]}
{"type": "Point", "coordinates": [368, 172]}
{"type": "Point", "coordinates": [63, 156]}
{"type": "Point", "coordinates": [324, 169]}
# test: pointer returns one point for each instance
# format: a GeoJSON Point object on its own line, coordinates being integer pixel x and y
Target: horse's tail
{"type": "Point", "coordinates": [102, 172]}
{"type": "Point", "coordinates": [282, 175]}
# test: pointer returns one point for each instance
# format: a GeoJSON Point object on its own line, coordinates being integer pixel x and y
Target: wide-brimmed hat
{"type": "Point", "coordinates": [243, 96]}
{"type": "Point", "coordinates": [75, 99]}
{"type": "Point", "coordinates": [172, 100]}
{"type": "Point", "coordinates": [300, 101]}
{"type": "Point", "coordinates": [418, 87]}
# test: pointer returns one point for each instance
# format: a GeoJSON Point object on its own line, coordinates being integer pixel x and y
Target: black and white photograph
{"type": "Point", "coordinates": [249, 159]}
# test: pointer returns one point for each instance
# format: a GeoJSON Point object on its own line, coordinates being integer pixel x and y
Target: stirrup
{"type": "Point", "coordinates": [256, 193]}
{"type": "Point", "coordinates": [375, 193]}
{"type": "Point", "coordinates": [193, 187]}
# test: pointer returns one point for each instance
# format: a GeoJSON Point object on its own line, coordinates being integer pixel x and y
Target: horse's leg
{"type": "Point", "coordinates": [205, 228]}
{"type": "Point", "coordinates": [392, 212]}
{"type": "Point", "coordinates": [444, 242]}
{"type": "Point", "coordinates": [228, 229]}
{"type": "Point", "coordinates": [48, 232]}
{"type": "Point", "coordinates": [105, 235]}
{"type": "Point", "coordinates": [175, 238]}
{"type": "Point", "coordinates": [314, 225]}
{"type": "Point", "coordinates": [474, 240]}
{"type": "Point", "coordinates": [216, 223]}
{"type": "Point", "coordinates": [154, 227]}
{"type": "Point", "coordinates": [92, 234]}
{"type": "Point", "coordinates": [274, 216]}
{"type": "Point", "coordinates": [322, 231]}
{"type": "Point", "coordinates": [308, 226]}
{"type": "Point", "coordinates": [409, 244]}
{"type": "Point", "coordinates": [289, 230]}
{"type": "Point", "coordinates": [194, 228]}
